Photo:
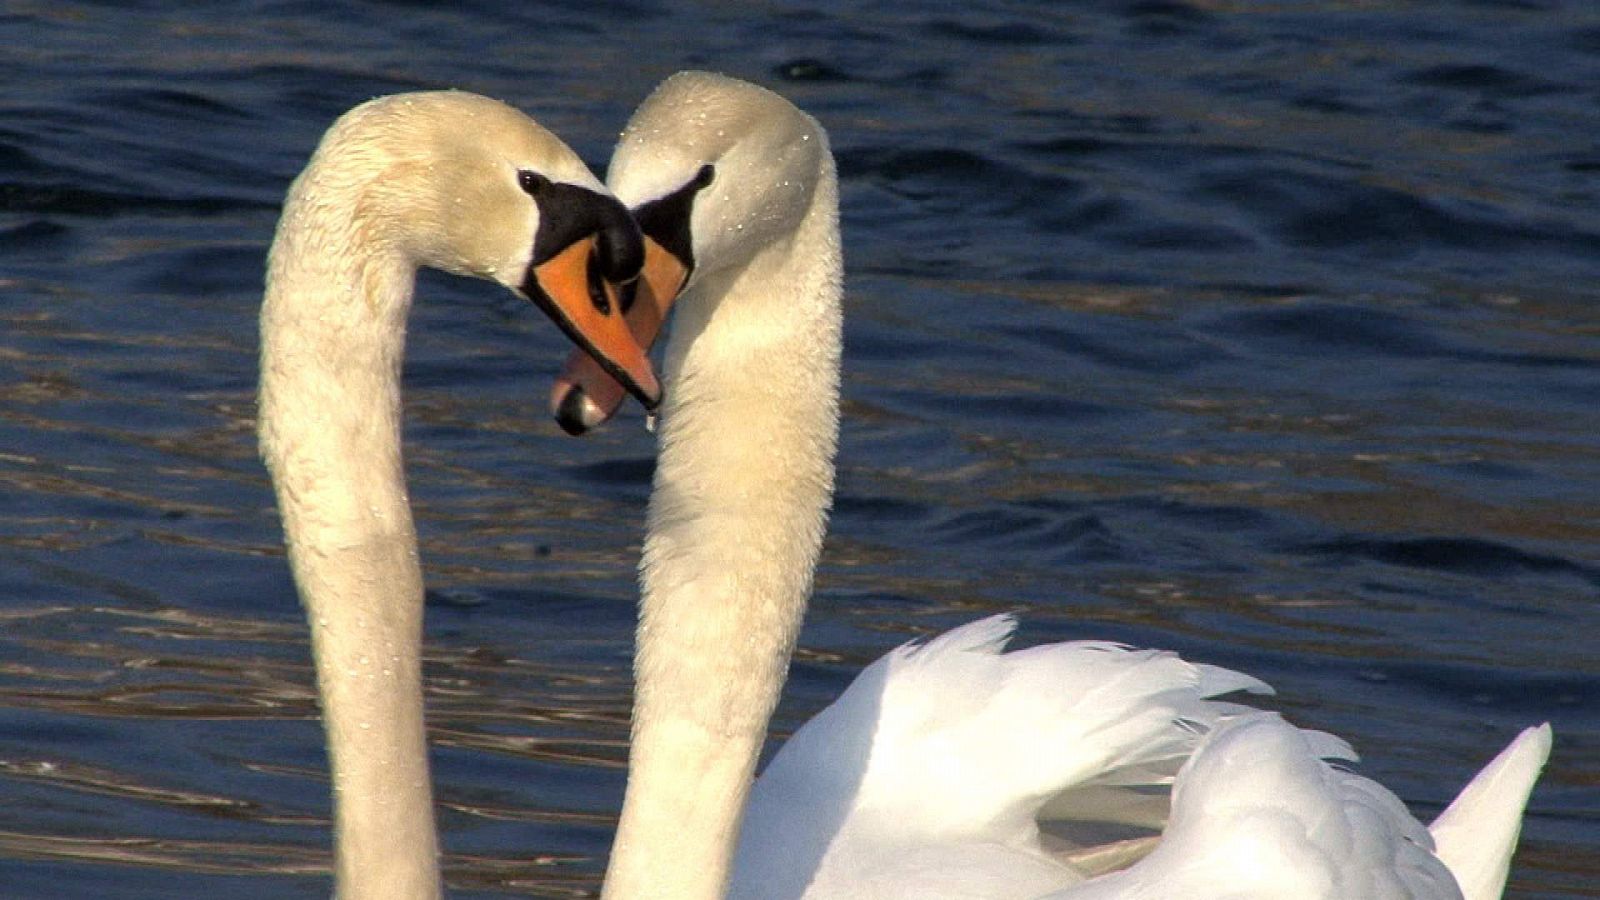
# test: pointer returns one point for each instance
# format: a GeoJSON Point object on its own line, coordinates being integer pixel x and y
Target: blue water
{"type": "Point", "coordinates": [1263, 332]}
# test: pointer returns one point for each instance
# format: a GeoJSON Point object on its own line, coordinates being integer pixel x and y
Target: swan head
{"type": "Point", "coordinates": [470, 185]}
{"type": "Point", "coordinates": [716, 171]}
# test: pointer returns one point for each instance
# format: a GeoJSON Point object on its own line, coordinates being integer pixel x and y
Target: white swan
{"type": "Point", "coordinates": [471, 186]}
{"type": "Point", "coordinates": [926, 778]}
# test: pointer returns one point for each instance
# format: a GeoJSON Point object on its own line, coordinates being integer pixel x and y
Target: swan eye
{"type": "Point", "coordinates": [597, 287]}
{"type": "Point", "coordinates": [532, 183]}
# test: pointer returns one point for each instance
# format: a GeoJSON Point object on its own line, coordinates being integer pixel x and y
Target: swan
{"type": "Point", "coordinates": [461, 183]}
{"type": "Point", "coordinates": [927, 777]}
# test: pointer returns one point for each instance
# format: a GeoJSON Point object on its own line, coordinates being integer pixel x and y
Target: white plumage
{"type": "Point", "coordinates": [931, 771]}
{"type": "Point", "coordinates": [930, 775]}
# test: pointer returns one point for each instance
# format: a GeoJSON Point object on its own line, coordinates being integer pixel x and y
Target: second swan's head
{"type": "Point", "coordinates": [717, 171]}
{"type": "Point", "coordinates": [470, 185]}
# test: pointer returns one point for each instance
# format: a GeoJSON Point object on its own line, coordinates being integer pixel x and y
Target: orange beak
{"type": "Point", "coordinates": [587, 393]}
{"type": "Point", "coordinates": [570, 289]}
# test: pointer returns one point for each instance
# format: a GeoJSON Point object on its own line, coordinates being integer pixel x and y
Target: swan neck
{"type": "Point", "coordinates": [737, 515]}
{"type": "Point", "coordinates": [333, 333]}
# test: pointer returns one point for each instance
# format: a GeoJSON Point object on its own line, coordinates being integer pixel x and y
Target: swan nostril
{"type": "Point", "coordinates": [597, 287]}
{"type": "Point", "coordinates": [570, 414]}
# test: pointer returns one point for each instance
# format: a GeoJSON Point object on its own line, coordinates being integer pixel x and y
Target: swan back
{"type": "Point", "coordinates": [927, 777]}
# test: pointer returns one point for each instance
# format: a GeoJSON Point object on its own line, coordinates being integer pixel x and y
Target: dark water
{"type": "Point", "coordinates": [1262, 331]}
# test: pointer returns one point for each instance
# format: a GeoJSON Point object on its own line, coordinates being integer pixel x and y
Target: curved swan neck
{"type": "Point", "coordinates": [333, 334]}
{"type": "Point", "coordinates": [737, 515]}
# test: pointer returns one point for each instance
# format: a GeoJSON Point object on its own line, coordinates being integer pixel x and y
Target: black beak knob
{"type": "Point", "coordinates": [621, 245]}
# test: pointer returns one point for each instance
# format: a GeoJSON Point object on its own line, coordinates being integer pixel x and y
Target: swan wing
{"type": "Point", "coordinates": [951, 749]}
{"type": "Point", "coordinates": [1260, 813]}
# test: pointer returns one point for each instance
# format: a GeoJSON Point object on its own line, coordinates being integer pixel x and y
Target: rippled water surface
{"type": "Point", "coordinates": [1261, 331]}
